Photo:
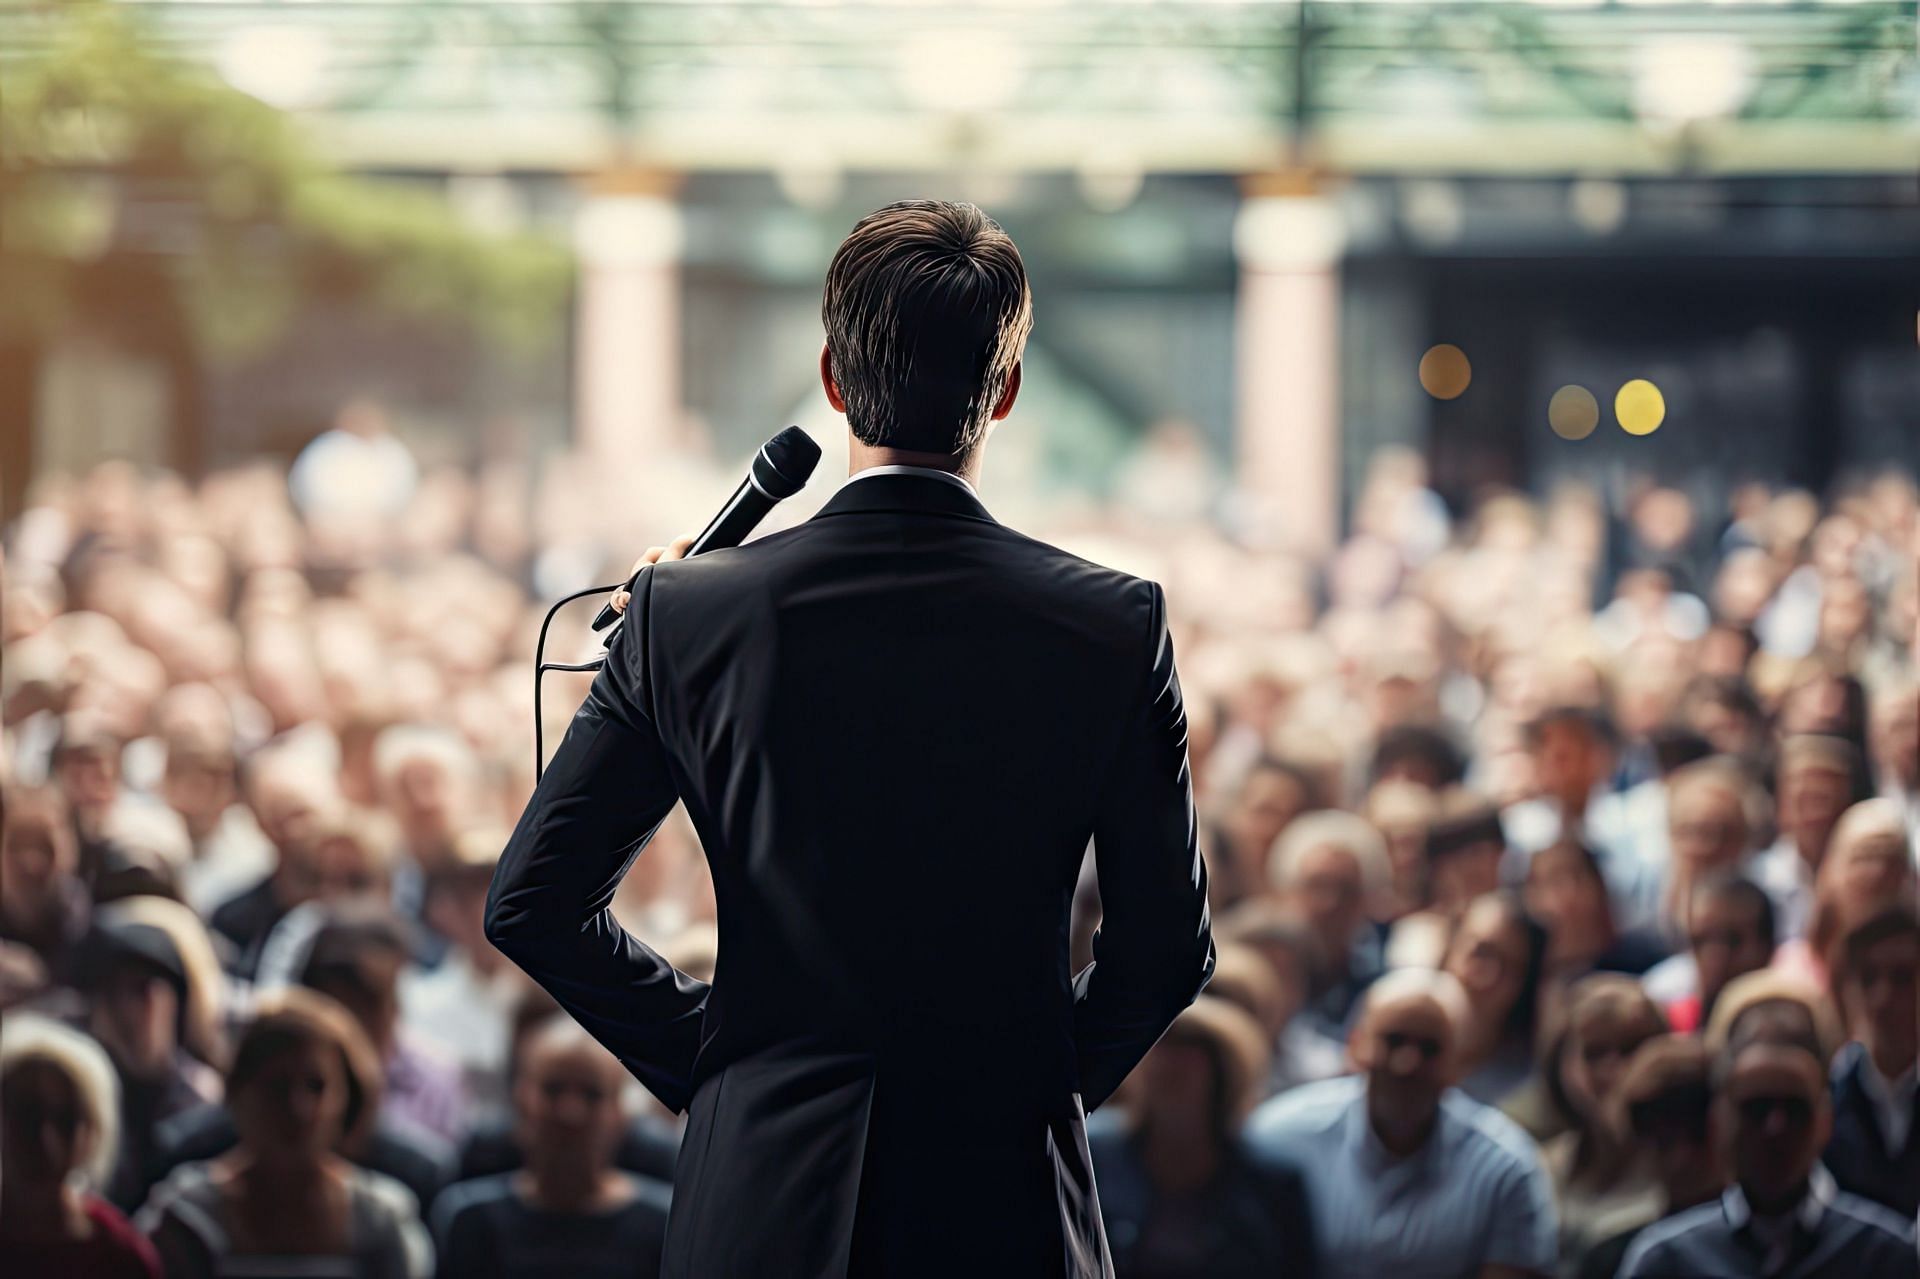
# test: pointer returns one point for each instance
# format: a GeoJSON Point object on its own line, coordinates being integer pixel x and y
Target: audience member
{"type": "Point", "coordinates": [1181, 1196]}
{"type": "Point", "coordinates": [1498, 954]}
{"type": "Point", "coordinates": [569, 1210]}
{"type": "Point", "coordinates": [1405, 1174]}
{"type": "Point", "coordinates": [1875, 1149]}
{"type": "Point", "coordinates": [58, 1115]}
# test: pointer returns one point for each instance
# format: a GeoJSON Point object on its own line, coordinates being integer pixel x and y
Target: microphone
{"type": "Point", "coordinates": [780, 469]}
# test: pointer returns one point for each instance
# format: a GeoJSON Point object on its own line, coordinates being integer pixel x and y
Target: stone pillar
{"type": "Point", "coordinates": [627, 405]}
{"type": "Point", "coordinates": [1287, 361]}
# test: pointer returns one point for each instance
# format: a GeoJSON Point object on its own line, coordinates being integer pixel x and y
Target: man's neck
{"type": "Point", "coordinates": [861, 456]}
{"type": "Point", "coordinates": [1402, 1137]}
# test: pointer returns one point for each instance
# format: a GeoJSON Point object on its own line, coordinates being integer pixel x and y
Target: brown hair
{"type": "Point", "coordinates": [294, 1016]}
{"type": "Point", "coordinates": [927, 310]}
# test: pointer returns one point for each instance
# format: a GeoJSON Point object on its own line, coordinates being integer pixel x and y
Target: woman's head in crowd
{"type": "Point", "coordinates": [1607, 1018]}
{"type": "Point", "coordinates": [304, 1079]}
{"type": "Point", "coordinates": [59, 1104]}
{"type": "Point", "coordinates": [1567, 894]}
{"type": "Point", "coordinates": [1498, 955]}
{"type": "Point", "coordinates": [1332, 867]}
{"type": "Point", "coordinates": [1206, 1072]}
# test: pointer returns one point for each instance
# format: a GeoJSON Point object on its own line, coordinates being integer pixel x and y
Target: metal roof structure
{"type": "Point", "coordinates": [1100, 86]}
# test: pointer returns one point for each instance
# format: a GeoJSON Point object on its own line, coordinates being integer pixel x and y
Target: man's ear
{"type": "Point", "coordinates": [827, 383]}
{"type": "Point", "coordinates": [1005, 406]}
{"type": "Point", "coordinates": [1359, 1053]}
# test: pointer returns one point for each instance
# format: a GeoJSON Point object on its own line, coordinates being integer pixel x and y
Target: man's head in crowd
{"type": "Point", "coordinates": [569, 1100]}
{"type": "Point", "coordinates": [1270, 796]}
{"type": "Point", "coordinates": [136, 986]}
{"type": "Point", "coordinates": [1712, 808]}
{"type": "Point", "coordinates": [1405, 1041]}
{"type": "Point", "coordinates": [1418, 753]}
{"type": "Point", "coordinates": [1573, 751]}
{"type": "Point", "coordinates": [1464, 849]}
{"type": "Point", "coordinates": [348, 855]}
{"type": "Point", "coordinates": [288, 792]}
{"type": "Point", "coordinates": [1730, 933]}
{"type": "Point", "coordinates": [927, 311]}
{"type": "Point", "coordinates": [1664, 1102]}
{"type": "Point", "coordinates": [1331, 866]}
{"type": "Point", "coordinates": [1877, 978]}
{"type": "Point", "coordinates": [86, 768]}
{"type": "Point", "coordinates": [38, 853]}
{"type": "Point", "coordinates": [1775, 1006]}
{"type": "Point", "coordinates": [198, 782]}
{"type": "Point", "coordinates": [1814, 782]}
{"type": "Point", "coordinates": [1774, 1113]}
{"type": "Point", "coordinates": [428, 779]}
{"type": "Point", "coordinates": [356, 957]}
{"type": "Point", "coordinates": [1281, 938]}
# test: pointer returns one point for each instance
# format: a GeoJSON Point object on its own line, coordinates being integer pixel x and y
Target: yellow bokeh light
{"type": "Point", "coordinates": [1573, 413]}
{"type": "Point", "coordinates": [1640, 407]}
{"type": "Point", "coordinates": [1444, 371]}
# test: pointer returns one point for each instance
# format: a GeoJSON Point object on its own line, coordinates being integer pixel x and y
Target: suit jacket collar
{"type": "Point", "coordinates": [905, 493]}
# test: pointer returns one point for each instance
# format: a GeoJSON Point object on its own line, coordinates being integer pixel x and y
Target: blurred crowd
{"type": "Point", "coordinates": [1562, 848]}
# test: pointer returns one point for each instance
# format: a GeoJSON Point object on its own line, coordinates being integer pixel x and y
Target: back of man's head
{"type": "Point", "coordinates": [927, 311]}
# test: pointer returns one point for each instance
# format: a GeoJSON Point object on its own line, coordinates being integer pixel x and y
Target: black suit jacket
{"type": "Point", "coordinates": [895, 728]}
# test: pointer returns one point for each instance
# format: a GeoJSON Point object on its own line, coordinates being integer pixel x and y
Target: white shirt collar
{"type": "Point", "coordinates": [896, 468]}
{"type": "Point", "coordinates": [1892, 1100]}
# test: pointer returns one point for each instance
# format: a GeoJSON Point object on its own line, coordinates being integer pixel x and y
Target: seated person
{"type": "Point", "coordinates": [1498, 954]}
{"type": "Point", "coordinates": [1332, 867]}
{"type": "Point", "coordinates": [1407, 1176]}
{"type": "Point", "coordinates": [1600, 1184]}
{"type": "Point", "coordinates": [1875, 1149]}
{"type": "Point", "coordinates": [58, 1113]}
{"type": "Point", "coordinates": [650, 1144]}
{"type": "Point", "coordinates": [1301, 1054]}
{"type": "Point", "coordinates": [569, 1211]}
{"type": "Point", "coordinates": [283, 1201]}
{"type": "Point", "coordinates": [1566, 893]}
{"type": "Point", "coordinates": [1661, 1107]}
{"type": "Point", "coordinates": [1783, 1216]}
{"type": "Point", "coordinates": [1730, 933]}
{"type": "Point", "coordinates": [1178, 1191]}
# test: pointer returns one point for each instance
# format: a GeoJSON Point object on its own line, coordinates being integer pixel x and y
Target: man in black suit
{"type": "Point", "coordinates": [895, 727]}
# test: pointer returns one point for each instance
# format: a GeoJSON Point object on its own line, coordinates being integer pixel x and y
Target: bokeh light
{"type": "Point", "coordinates": [1573, 413]}
{"type": "Point", "coordinates": [1445, 372]}
{"type": "Point", "coordinates": [1640, 407]}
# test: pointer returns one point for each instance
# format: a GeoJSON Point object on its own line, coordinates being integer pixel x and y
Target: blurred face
{"type": "Point", "coordinates": [31, 864]}
{"type": "Point", "coordinates": [376, 1009]}
{"type": "Point", "coordinates": [1567, 762]}
{"type": "Point", "coordinates": [296, 1107]}
{"type": "Point", "coordinates": [1674, 1129]}
{"type": "Point", "coordinates": [1707, 827]}
{"type": "Point", "coordinates": [1603, 1042]}
{"type": "Point", "coordinates": [1405, 1047]}
{"type": "Point", "coordinates": [199, 790]}
{"type": "Point", "coordinates": [89, 778]}
{"type": "Point", "coordinates": [336, 869]}
{"type": "Point", "coordinates": [1775, 1114]}
{"type": "Point", "coordinates": [1896, 737]}
{"type": "Point", "coordinates": [1882, 992]}
{"type": "Point", "coordinates": [1179, 1087]}
{"type": "Point", "coordinates": [1565, 894]}
{"type": "Point", "coordinates": [1267, 802]}
{"type": "Point", "coordinates": [1465, 874]}
{"type": "Point", "coordinates": [568, 1105]}
{"type": "Point", "coordinates": [426, 800]}
{"type": "Point", "coordinates": [44, 1130]}
{"type": "Point", "coordinates": [1873, 869]}
{"type": "Point", "coordinates": [1812, 797]}
{"type": "Point", "coordinates": [1727, 941]}
{"type": "Point", "coordinates": [1489, 957]}
{"type": "Point", "coordinates": [1330, 895]}
{"type": "Point", "coordinates": [136, 1015]}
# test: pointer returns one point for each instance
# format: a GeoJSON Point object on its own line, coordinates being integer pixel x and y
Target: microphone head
{"type": "Point", "coordinates": [785, 463]}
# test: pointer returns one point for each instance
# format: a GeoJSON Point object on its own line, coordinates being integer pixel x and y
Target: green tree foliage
{"type": "Point", "coordinates": [120, 162]}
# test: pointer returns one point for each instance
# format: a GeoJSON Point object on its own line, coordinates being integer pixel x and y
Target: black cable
{"type": "Point", "coordinates": [542, 667]}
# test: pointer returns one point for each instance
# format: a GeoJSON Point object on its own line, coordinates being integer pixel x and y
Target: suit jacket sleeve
{"type": "Point", "coordinates": [549, 907]}
{"type": "Point", "coordinates": [1153, 951]}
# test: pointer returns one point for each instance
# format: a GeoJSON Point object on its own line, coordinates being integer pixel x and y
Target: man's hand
{"type": "Point", "coordinates": [674, 550]}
